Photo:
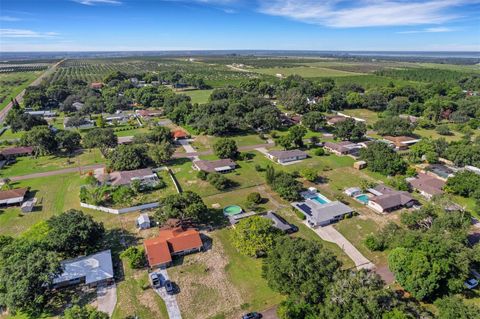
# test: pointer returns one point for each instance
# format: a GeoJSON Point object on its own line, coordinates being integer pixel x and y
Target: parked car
{"type": "Point", "coordinates": [155, 280]}
{"type": "Point", "coordinates": [169, 287]}
{"type": "Point", "coordinates": [471, 283]}
{"type": "Point", "coordinates": [252, 315]}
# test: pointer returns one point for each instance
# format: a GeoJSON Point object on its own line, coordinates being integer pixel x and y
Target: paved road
{"type": "Point", "coordinates": [209, 152]}
{"type": "Point", "coordinates": [19, 97]}
{"type": "Point", "coordinates": [170, 300]}
{"type": "Point", "coordinates": [328, 233]}
{"type": "Point", "coordinates": [107, 298]}
{"type": "Point", "coordinates": [58, 172]}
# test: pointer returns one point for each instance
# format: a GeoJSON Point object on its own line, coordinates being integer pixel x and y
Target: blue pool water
{"type": "Point", "coordinates": [320, 200]}
{"type": "Point", "coordinates": [362, 198]}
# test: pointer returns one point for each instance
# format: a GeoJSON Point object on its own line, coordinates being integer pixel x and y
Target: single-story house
{"type": "Point", "coordinates": [342, 148]}
{"type": "Point", "coordinates": [334, 119]}
{"type": "Point", "coordinates": [388, 200]}
{"type": "Point", "coordinates": [401, 142]}
{"type": "Point", "coordinates": [42, 113]}
{"type": "Point", "coordinates": [353, 191]}
{"type": "Point", "coordinates": [359, 165]}
{"type": "Point", "coordinates": [322, 214]}
{"type": "Point", "coordinates": [13, 152]}
{"type": "Point", "coordinates": [84, 124]}
{"type": "Point", "coordinates": [280, 223]}
{"type": "Point", "coordinates": [441, 171]}
{"type": "Point", "coordinates": [118, 116]}
{"type": "Point", "coordinates": [13, 196]}
{"type": "Point", "coordinates": [125, 139]}
{"type": "Point", "coordinates": [287, 156]}
{"type": "Point", "coordinates": [217, 166]}
{"type": "Point", "coordinates": [91, 270]}
{"type": "Point", "coordinates": [145, 175]}
{"type": "Point", "coordinates": [143, 221]}
{"type": "Point", "coordinates": [179, 135]}
{"type": "Point", "coordinates": [149, 113]}
{"type": "Point", "coordinates": [427, 185]}
{"type": "Point", "coordinates": [169, 243]}
{"type": "Point", "coordinates": [78, 105]}
{"type": "Point", "coordinates": [96, 85]}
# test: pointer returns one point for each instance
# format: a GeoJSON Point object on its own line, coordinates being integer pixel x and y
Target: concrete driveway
{"type": "Point", "coordinates": [170, 300]}
{"type": "Point", "coordinates": [186, 146]}
{"type": "Point", "coordinates": [328, 233]}
{"type": "Point", "coordinates": [107, 298]}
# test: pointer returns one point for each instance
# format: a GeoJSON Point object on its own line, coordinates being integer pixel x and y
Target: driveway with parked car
{"type": "Point", "coordinates": [165, 289]}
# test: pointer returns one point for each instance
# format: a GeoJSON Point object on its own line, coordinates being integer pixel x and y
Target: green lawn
{"type": "Point", "coordinates": [433, 134]}
{"type": "Point", "coordinates": [304, 71]}
{"type": "Point", "coordinates": [205, 142]}
{"type": "Point", "coordinates": [29, 164]}
{"type": "Point", "coordinates": [197, 96]}
{"type": "Point", "coordinates": [11, 84]}
{"type": "Point", "coordinates": [370, 116]}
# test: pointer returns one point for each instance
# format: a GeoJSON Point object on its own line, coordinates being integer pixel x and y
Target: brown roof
{"type": "Point", "coordinates": [149, 112]}
{"type": "Point", "coordinates": [335, 119]}
{"type": "Point", "coordinates": [170, 241]}
{"type": "Point", "coordinates": [125, 177]}
{"type": "Point", "coordinates": [13, 193]}
{"type": "Point", "coordinates": [22, 150]}
{"type": "Point", "coordinates": [391, 198]}
{"type": "Point", "coordinates": [401, 141]}
{"type": "Point", "coordinates": [340, 147]}
{"type": "Point", "coordinates": [179, 134]}
{"type": "Point", "coordinates": [428, 184]}
{"type": "Point", "coordinates": [212, 166]}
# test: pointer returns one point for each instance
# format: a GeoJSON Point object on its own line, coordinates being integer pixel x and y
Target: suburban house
{"type": "Point", "coordinates": [125, 139]}
{"type": "Point", "coordinates": [401, 142]}
{"type": "Point", "coordinates": [91, 270]}
{"type": "Point", "coordinates": [85, 123]}
{"type": "Point", "coordinates": [334, 119]}
{"type": "Point", "coordinates": [12, 152]}
{"type": "Point", "coordinates": [169, 243]}
{"type": "Point", "coordinates": [149, 113]}
{"type": "Point", "coordinates": [143, 221]}
{"type": "Point", "coordinates": [322, 214]}
{"type": "Point", "coordinates": [42, 113]}
{"type": "Point", "coordinates": [118, 117]}
{"type": "Point", "coordinates": [179, 135]}
{"type": "Point", "coordinates": [286, 156]}
{"type": "Point", "coordinates": [360, 165]}
{"type": "Point", "coordinates": [427, 185]}
{"type": "Point", "coordinates": [387, 200]}
{"type": "Point", "coordinates": [13, 196]}
{"type": "Point", "coordinates": [96, 85]}
{"type": "Point", "coordinates": [280, 223]}
{"type": "Point", "coordinates": [441, 171]}
{"type": "Point", "coordinates": [145, 175]}
{"type": "Point", "coordinates": [342, 148]}
{"type": "Point", "coordinates": [217, 166]}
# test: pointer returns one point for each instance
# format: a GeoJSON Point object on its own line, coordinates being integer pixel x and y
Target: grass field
{"type": "Point", "coordinates": [305, 71]}
{"type": "Point", "coordinates": [29, 164]}
{"type": "Point", "coordinates": [370, 116]}
{"type": "Point", "coordinates": [197, 96]}
{"type": "Point", "coordinates": [11, 84]}
{"type": "Point", "coordinates": [205, 142]}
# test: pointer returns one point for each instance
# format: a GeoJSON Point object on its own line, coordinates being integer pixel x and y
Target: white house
{"type": "Point", "coordinates": [12, 196]}
{"type": "Point", "coordinates": [287, 156]}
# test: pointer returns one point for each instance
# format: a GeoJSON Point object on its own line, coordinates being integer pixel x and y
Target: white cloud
{"type": "Point", "coordinates": [22, 33]}
{"type": "Point", "coordinates": [95, 2]}
{"type": "Point", "coordinates": [9, 19]}
{"type": "Point", "coordinates": [428, 30]}
{"type": "Point", "coordinates": [363, 13]}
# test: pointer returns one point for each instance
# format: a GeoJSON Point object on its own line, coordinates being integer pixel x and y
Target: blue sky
{"type": "Point", "coordinates": [111, 25]}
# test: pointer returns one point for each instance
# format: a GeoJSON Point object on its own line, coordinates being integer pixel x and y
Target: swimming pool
{"type": "Point", "coordinates": [319, 198]}
{"type": "Point", "coordinates": [363, 198]}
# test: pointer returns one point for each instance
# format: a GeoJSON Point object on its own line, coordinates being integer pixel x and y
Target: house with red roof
{"type": "Point", "coordinates": [179, 134]}
{"type": "Point", "coordinates": [169, 243]}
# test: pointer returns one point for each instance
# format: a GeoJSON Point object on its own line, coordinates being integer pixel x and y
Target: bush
{"type": "Point", "coordinates": [254, 198]}
{"type": "Point", "coordinates": [202, 175]}
{"type": "Point", "coordinates": [299, 215]}
{"type": "Point", "coordinates": [319, 152]}
{"type": "Point", "coordinates": [373, 243]}
{"type": "Point", "coordinates": [135, 256]}
{"type": "Point", "coordinates": [259, 168]}
{"type": "Point", "coordinates": [443, 130]}
{"type": "Point", "coordinates": [219, 181]}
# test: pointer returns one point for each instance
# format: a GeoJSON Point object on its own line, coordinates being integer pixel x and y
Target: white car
{"type": "Point", "coordinates": [471, 283]}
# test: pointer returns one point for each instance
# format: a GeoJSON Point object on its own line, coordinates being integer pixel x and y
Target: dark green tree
{"type": "Point", "coordinates": [254, 236]}
{"type": "Point", "coordinates": [225, 148]}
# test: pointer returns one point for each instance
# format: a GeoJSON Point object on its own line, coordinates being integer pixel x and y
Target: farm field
{"type": "Point", "coordinates": [197, 96]}
{"type": "Point", "coordinates": [307, 72]}
{"type": "Point", "coordinates": [11, 84]}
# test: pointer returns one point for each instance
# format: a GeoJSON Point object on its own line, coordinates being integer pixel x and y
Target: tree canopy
{"type": "Point", "coordinates": [254, 236]}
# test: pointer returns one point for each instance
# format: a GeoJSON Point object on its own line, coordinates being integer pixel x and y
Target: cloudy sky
{"type": "Point", "coordinates": [110, 25]}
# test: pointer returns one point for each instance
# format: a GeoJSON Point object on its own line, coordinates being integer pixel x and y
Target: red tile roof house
{"type": "Point", "coordinates": [171, 242]}
{"type": "Point", "coordinates": [428, 186]}
{"type": "Point", "coordinates": [13, 152]}
{"type": "Point", "coordinates": [179, 135]}
{"type": "Point", "coordinates": [217, 166]}
{"type": "Point", "coordinates": [13, 196]}
{"type": "Point", "coordinates": [387, 200]}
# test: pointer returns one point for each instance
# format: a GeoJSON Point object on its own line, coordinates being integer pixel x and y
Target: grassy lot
{"type": "Point", "coordinates": [205, 142]}
{"type": "Point", "coordinates": [370, 116]}
{"type": "Point", "coordinates": [305, 71]}
{"type": "Point", "coordinates": [11, 84]}
{"type": "Point", "coordinates": [29, 164]}
{"type": "Point", "coordinates": [135, 297]}
{"type": "Point", "coordinates": [197, 96]}
{"type": "Point", "coordinates": [433, 134]}
{"type": "Point", "coordinates": [369, 80]}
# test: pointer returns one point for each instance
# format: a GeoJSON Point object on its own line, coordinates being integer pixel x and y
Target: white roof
{"type": "Point", "coordinates": [143, 218]}
{"type": "Point", "coordinates": [94, 268]}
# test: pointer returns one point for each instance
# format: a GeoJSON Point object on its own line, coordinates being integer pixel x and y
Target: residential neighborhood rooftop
{"type": "Point", "coordinates": [215, 165]}
{"type": "Point", "coordinates": [287, 154]}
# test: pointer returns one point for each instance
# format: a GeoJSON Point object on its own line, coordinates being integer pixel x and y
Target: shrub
{"type": "Point", "coordinates": [373, 243]}
{"type": "Point", "coordinates": [319, 152]}
{"type": "Point", "coordinates": [254, 198]}
{"type": "Point", "coordinates": [202, 175]}
{"type": "Point", "coordinates": [259, 168]}
{"type": "Point", "coordinates": [443, 130]}
{"type": "Point", "coordinates": [299, 215]}
{"type": "Point", "coordinates": [135, 256]}
{"type": "Point", "coordinates": [219, 181]}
